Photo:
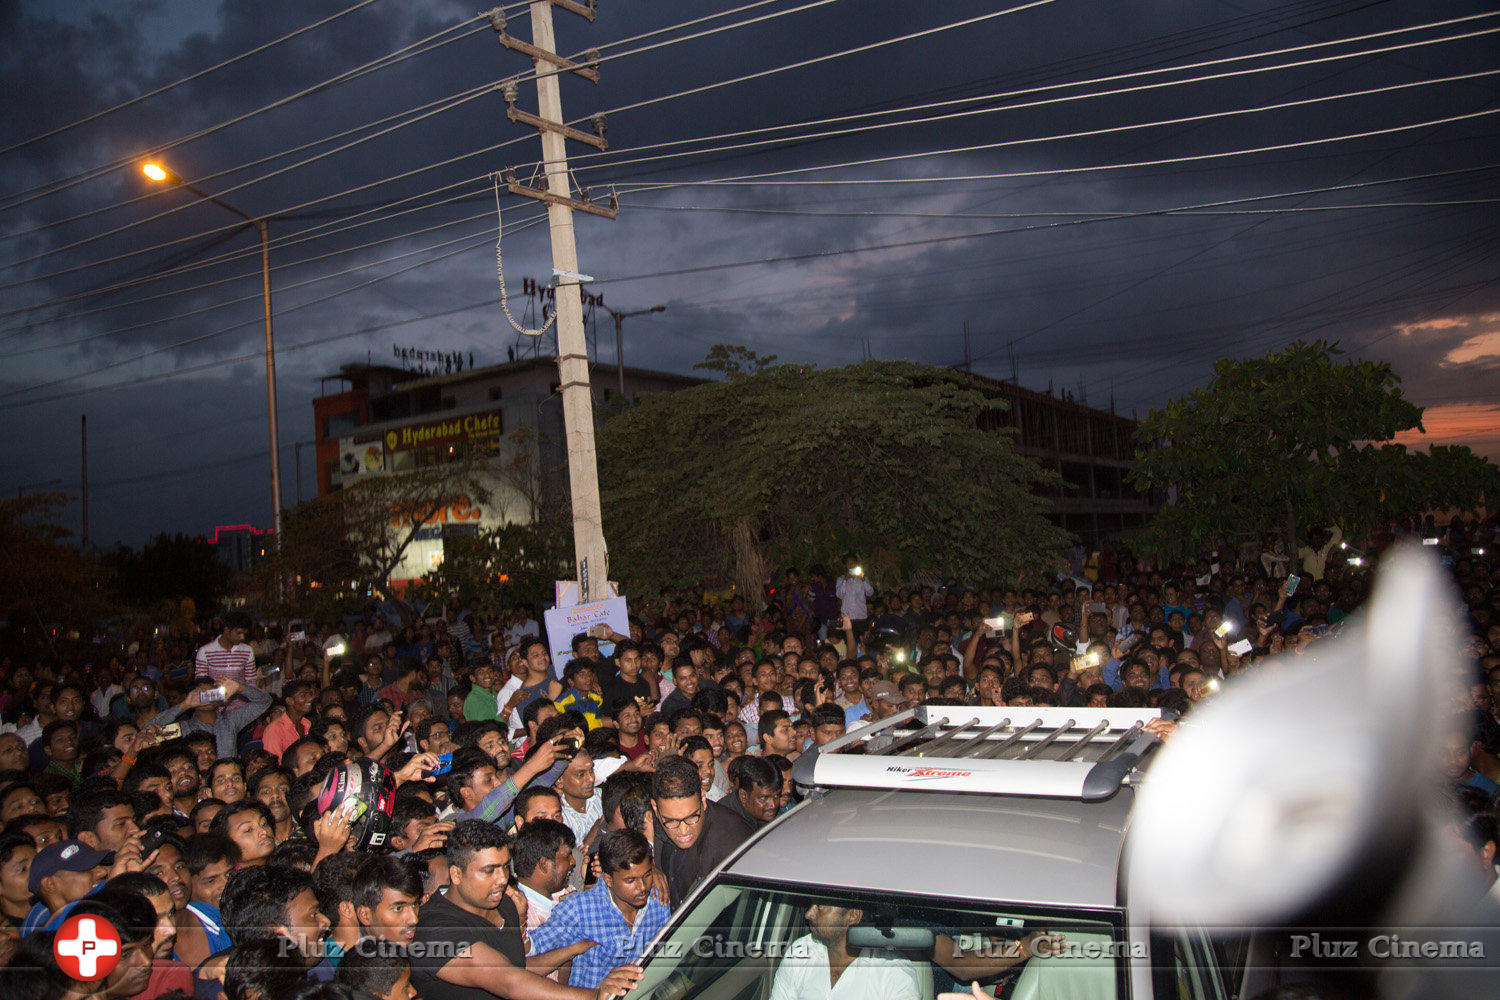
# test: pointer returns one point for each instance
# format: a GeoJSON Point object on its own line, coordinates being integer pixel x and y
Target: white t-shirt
{"type": "Point", "coordinates": [852, 592]}
{"type": "Point", "coordinates": [874, 975]}
{"type": "Point", "coordinates": [506, 692]}
{"type": "Point", "coordinates": [515, 632]}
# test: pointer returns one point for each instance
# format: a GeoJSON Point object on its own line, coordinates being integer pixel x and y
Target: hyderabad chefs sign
{"type": "Point", "coordinates": [475, 427]}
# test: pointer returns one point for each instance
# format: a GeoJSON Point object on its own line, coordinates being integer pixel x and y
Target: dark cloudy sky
{"type": "Point", "coordinates": [1064, 241]}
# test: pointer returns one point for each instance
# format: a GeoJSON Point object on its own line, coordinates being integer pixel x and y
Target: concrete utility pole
{"type": "Point", "coordinates": [572, 346]}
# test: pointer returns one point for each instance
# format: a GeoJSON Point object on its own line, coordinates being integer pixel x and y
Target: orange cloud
{"type": "Point", "coordinates": [1480, 347]}
{"type": "Point", "coordinates": [1474, 424]}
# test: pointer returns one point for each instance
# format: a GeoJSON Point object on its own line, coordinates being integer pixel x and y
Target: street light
{"type": "Point", "coordinates": [161, 173]}
{"type": "Point", "coordinates": [620, 319]}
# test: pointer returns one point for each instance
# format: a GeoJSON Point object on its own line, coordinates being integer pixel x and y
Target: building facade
{"type": "Point", "coordinates": [380, 419]}
{"type": "Point", "coordinates": [1092, 450]}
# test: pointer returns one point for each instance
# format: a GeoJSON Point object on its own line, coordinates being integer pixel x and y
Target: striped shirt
{"type": "Point", "coordinates": [234, 664]}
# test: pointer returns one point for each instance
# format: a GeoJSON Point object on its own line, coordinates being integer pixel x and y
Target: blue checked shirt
{"type": "Point", "coordinates": [591, 915]}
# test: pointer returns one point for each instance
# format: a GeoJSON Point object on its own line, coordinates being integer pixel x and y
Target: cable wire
{"type": "Point", "coordinates": [186, 79]}
{"type": "Point", "coordinates": [412, 50]}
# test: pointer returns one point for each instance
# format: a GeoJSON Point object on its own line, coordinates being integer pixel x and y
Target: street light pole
{"type": "Point", "coordinates": [264, 228]}
{"type": "Point", "coordinates": [160, 173]}
{"type": "Point", "coordinates": [620, 319]}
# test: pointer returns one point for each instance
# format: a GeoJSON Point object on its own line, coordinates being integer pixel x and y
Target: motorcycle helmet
{"type": "Point", "coordinates": [367, 790]}
{"type": "Point", "coordinates": [1063, 638]}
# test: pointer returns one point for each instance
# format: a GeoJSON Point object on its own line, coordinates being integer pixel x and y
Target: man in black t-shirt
{"type": "Point", "coordinates": [628, 682]}
{"type": "Point", "coordinates": [468, 942]}
{"type": "Point", "coordinates": [692, 834]}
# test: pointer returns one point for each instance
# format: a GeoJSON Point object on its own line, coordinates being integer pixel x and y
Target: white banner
{"type": "Point", "coordinates": [564, 623]}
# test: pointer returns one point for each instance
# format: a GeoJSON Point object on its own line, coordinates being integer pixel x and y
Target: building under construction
{"type": "Point", "coordinates": [1093, 451]}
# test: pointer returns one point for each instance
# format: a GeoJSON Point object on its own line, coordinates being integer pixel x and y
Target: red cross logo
{"type": "Point", "coordinates": [87, 948]}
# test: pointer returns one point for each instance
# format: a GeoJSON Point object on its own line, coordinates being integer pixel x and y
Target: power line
{"type": "Point", "coordinates": [1000, 95]}
{"type": "Point", "coordinates": [467, 244]}
{"type": "Point", "coordinates": [760, 178]}
{"type": "Point", "coordinates": [269, 215]}
{"type": "Point", "coordinates": [319, 231]}
{"type": "Point", "coordinates": [178, 372]}
{"type": "Point", "coordinates": [280, 289]}
{"type": "Point", "coordinates": [186, 79]}
{"type": "Point", "coordinates": [390, 59]}
{"type": "Point", "coordinates": [986, 216]}
{"type": "Point", "coordinates": [945, 239]}
{"type": "Point", "coordinates": [803, 63]}
{"type": "Point", "coordinates": [420, 112]}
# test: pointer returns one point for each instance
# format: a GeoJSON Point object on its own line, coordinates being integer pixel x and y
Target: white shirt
{"type": "Point", "coordinates": [536, 902]}
{"type": "Point", "coordinates": [507, 691]}
{"type": "Point", "coordinates": [852, 592]}
{"type": "Point", "coordinates": [605, 766]}
{"type": "Point", "coordinates": [528, 627]}
{"type": "Point", "coordinates": [101, 699]}
{"type": "Point", "coordinates": [582, 822]}
{"type": "Point", "coordinates": [874, 975]}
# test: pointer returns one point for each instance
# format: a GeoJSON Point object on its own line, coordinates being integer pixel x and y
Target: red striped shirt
{"type": "Point", "coordinates": [234, 664]}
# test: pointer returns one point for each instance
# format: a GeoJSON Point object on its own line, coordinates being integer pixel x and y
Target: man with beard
{"type": "Point", "coordinates": [757, 789]}
{"type": "Point", "coordinates": [123, 893]}
{"type": "Point", "coordinates": [692, 834]}
{"type": "Point", "coordinates": [182, 765]}
{"type": "Point", "coordinates": [270, 787]}
{"type": "Point", "coordinates": [103, 818]}
{"type": "Point", "coordinates": [142, 699]}
{"type": "Point", "coordinates": [276, 901]}
{"type": "Point", "coordinates": [137, 944]}
{"type": "Point", "coordinates": [820, 965]}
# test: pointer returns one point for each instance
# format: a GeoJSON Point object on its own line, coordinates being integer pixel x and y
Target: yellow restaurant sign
{"type": "Point", "coordinates": [473, 427]}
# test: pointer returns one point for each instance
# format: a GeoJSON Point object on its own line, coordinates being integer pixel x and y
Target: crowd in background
{"type": "Point", "coordinates": [548, 816]}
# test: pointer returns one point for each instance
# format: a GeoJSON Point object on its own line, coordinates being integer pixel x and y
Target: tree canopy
{"type": "Point", "coordinates": [1296, 439]}
{"type": "Point", "coordinates": [167, 569]}
{"type": "Point", "coordinates": [337, 549]}
{"type": "Point", "coordinates": [46, 579]}
{"type": "Point", "coordinates": [793, 465]}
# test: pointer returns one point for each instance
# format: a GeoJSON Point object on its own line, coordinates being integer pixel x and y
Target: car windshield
{"type": "Point", "coordinates": [748, 941]}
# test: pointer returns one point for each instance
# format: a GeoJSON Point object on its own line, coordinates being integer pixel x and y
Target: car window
{"type": "Point", "coordinates": [744, 941]}
{"type": "Point", "coordinates": [1195, 968]}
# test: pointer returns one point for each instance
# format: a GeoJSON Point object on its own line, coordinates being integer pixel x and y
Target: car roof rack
{"type": "Point", "coordinates": [1076, 753]}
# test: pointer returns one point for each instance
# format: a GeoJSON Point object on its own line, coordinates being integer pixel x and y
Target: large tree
{"type": "Point", "coordinates": [46, 579]}
{"type": "Point", "coordinates": [793, 464]}
{"type": "Point", "coordinates": [1297, 439]}
{"type": "Point", "coordinates": [169, 568]}
{"type": "Point", "coordinates": [337, 549]}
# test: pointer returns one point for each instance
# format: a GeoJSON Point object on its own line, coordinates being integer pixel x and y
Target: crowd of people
{"type": "Point", "coordinates": [547, 817]}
